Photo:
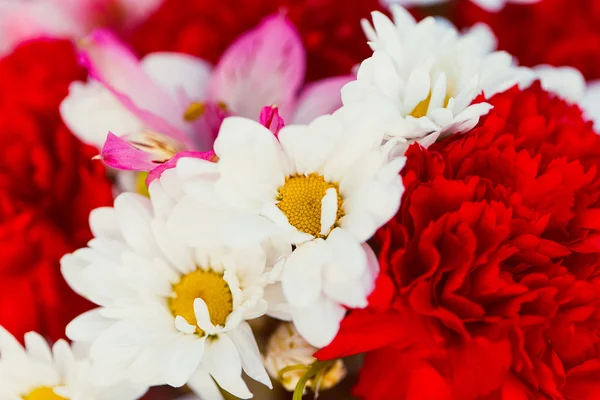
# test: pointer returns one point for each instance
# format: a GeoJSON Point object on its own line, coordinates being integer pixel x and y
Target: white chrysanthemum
{"type": "Point", "coordinates": [167, 314]}
{"type": "Point", "coordinates": [488, 5]}
{"type": "Point", "coordinates": [324, 188]}
{"type": "Point", "coordinates": [37, 372]}
{"type": "Point", "coordinates": [426, 75]}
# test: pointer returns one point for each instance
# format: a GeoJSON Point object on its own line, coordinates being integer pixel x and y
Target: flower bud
{"type": "Point", "coordinates": [289, 357]}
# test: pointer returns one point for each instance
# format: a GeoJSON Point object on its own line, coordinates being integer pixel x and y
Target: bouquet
{"type": "Point", "coordinates": [279, 199]}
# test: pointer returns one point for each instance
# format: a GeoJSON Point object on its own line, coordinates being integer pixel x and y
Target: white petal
{"type": "Point", "coordinates": [134, 212]}
{"type": "Point", "coordinates": [91, 111]}
{"type": "Point", "coordinates": [301, 280]}
{"type": "Point", "coordinates": [417, 89]}
{"type": "Point", "coordinates": [184, 356]}
{"type": "Point", "coordinates": [104, 223]}
{"type": "Point", "coordinates": [251, 162]}
{"type": "Point", "coordinates": [182, 325]}
{"type": "Point", "coordinates": [308, 147]}
{"type": "Point", "coordinates": [88, 326]}
{"type": "Point", "coordinates": [180, 256]}
{"type": "Point", "coordinates": [244, 341]}
{"type": "Point", "coordinates": [319, 323]}
{"type": "Point", "coordinates": [278, 306]}
{"type": "Point", "coordinates": [591, 103]}
{"type": "Point", "coordinates": [567, 82]}
{"type": "Point", "coordinates": [223, 362]}
{"type": "Point", "coordinates": [37, 347]}
{"type": "Point", "coordinates": [63, 358]}
{"type": "Point", "coordinates": [329, 208]}
{"type": "Point", "coordinates": [203, 386]}
{"type": "Point", "coordinates": [348, 258]}
{"type": "Point", "coordinates": [203, 317]}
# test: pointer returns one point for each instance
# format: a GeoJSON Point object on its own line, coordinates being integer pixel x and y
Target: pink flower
{"type": "Point", "coordinates": [22, 20]}
{"type": "Point", "coordinates": [170, 102]}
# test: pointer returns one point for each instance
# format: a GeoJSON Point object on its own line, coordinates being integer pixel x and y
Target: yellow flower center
{"type": "Point", "coordinates": [210, 287]}
{"type": "Point", "coordinates": [421, 109]}
{"type": "Point", "coordinates": [140, 183]}
{"type": "Point", "coordinates": [300, 200]}
{"type": "Point", "coordinates": [43, 393]}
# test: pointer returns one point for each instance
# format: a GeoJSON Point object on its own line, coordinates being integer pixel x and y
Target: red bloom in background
{"type": "Point", "coordinates": [555, 32]}
{"type": "Point", "coordinates": [489, 285]}
{"type": "Point", "coordinates": [330, 29]}
{"type": "Point", "coordinates": [48, 186]}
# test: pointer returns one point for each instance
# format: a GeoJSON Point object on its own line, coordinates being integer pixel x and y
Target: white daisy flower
{"type": "Point", "coordinates": [426, 75]}
{"type": "Point", "coordinates": [36, 372]}
{"type": "Point", "coordinates": [324, 188]}
{"type": "Point", "coordinates": [488, 5]}
{"type": "Point", "coordinates": [167, 314]}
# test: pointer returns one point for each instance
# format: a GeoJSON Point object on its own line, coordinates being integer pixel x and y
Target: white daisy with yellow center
{"type": "Point", "coordinates": [426, 75]}
{"type": "Point", "coordinates": [168, 314]}
{"type": "Point", "coordinates": [324, 188]}
{"type": "Point", "coordinates": [37, 372]}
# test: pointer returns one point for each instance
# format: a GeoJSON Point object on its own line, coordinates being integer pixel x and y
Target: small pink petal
{"type": "Point", "coordinates": [172, 163]}
{"type": "Point", "coordinates": [270, 118]}
{"type": "Point", "coordinates": [120, 154]}
{"type": "Point", "coordinates": [318, 98]}
{"type": "Point", "coordinates": [265, 65]}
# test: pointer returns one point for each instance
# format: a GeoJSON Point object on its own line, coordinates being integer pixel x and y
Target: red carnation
{"type": "Point", "coordinates": [489, 284]}
{"type": "Point", "coordinates": [555, 32]}
{"type": "Point", "coordinates": [48, 186]}
{"type": "Point", "coordinates": [330, 29]}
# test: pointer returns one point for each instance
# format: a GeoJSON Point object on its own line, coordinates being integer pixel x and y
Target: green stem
{"type": "Point", "coordinates": [290, 368]}
{"type": "Point", "coordinates": [317, 369]}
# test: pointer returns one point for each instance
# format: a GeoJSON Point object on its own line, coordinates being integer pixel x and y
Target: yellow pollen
{"type": "Point", "coordinates": [210, 287]}
{"type": "Point", "coordinates": [194, 111]}
{"type": "Point", "coordinates": [43, 393]}
{"type": "Point", "coordinates": [300, 200]}
{"type": "Point", "coordinates": [421, 109]}
{"type": "Point", "coordinates": [140, 183]}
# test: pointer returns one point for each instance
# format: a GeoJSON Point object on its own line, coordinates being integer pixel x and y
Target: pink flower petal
{"type": "Point", "coordinates": [120, 154]}
{"type": "Point", "coordinates": [264, 66]}
{"type": "Point", "coordinates": [206, 128]}
{"type": "Point", "coordinates": [114, 65]}
{"type": "Point", "coordinates": [172, 163]}
{"type": "Point", "coordinates": [270, 118]}
{"type": "Point", "coordinates": [318, 98]}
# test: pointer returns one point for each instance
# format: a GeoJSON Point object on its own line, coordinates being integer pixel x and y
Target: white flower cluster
{"type": "Point", "coordinates": [276, 226]}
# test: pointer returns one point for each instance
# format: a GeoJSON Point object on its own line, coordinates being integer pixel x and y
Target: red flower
{"type": "Point", "coordinates": [555, 32]}
{"type": "Point", "coordinates": [489, 284]}
{"type": "Point", "coordinates": [330, 29]}
{"type": "Point", "coordinates": [48, 186]}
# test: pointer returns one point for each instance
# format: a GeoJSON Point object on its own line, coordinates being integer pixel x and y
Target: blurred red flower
{"type": "Point", "coordinates": [48, 186]}
{"type": "Point", "coordinates": [490, 271]}
{"type": "Point", "coordinates": [330, 29]}
{"type": "Point", "coordinates": [555, 32]}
